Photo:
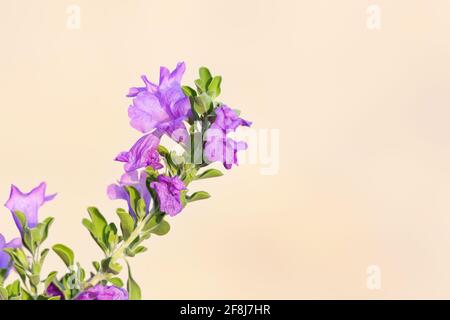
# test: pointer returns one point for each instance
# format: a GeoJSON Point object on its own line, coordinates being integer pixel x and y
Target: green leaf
{"type": "Point", "coordinates": [110, 236]}
{"type": "Point", "coordinates": [14, 289]}
{"type": "Point", "coordinates": [45, 225]}
{"type": "Point", "coordinates": [183, 198]}
{"type": "Point", "coordinates": [163, 151]}
{"type": "Point", "coordinates": [126, 223]}
{"type": "Point", "coordinates": [96, 265]}
{"type": "Point", "coordinates": [3, 294]}
{"type": "Point", "coordinates": [65, 253]}
{"type": "Point", "coordinates": [34, 279]}
{"type": "Point", "coordinates": [211, 173]}
{"type": "Point", "coordinates": [151, 224]}
{"type": "Point", "coordinates": [22, 219]}
{"type": "Point", "coordinates": [162, 228]}
{"type": "Point", "coordinates": [36, 236]}
{"type": "Point", "coordinates": [134, 197]}
{"type": "Point", "coordinates": [26, 295]}
{"type": "Point", "coordinates": [19, 258]}
{"type": "Point", "coordinates": [116, 282]}
{"type": "Point", "coordinates": [141, 209]}
{"type": "Point", "coordinates": [202, 103]}
{"type": "Point", "coordinates": [131, 252]}
{"type": "Point", "coordinates": [214, 87]}
{"type": "Point", "coordinates": [28, 240]}
{"type": "Point", "coordinates": [151, 173]}
{"type": "Point", "coordinates": [3, 273]}
{"type": "Point", "coordinates": [200, 195]}
{"type": "Point", "coordinates": [111, 267]}
{"type": "Point", "coordinates": [139, 249]}
{"type": "Point", "coordinates": [81, 272]}
{"type": "Point", "coordinates": [51, 276]}
{"type": "Point", "coordinates": [98, 221]}
{"type": "Point", "coordinates": [96, 227]}
{"type": "Point", "coordinates": [134, 291]}
{"type": "Point", "coordinates": [200, 86]}
{"type": "Point", "coordinates": [188, 91]}
{"type": "Point", "coordinates": [44, 254]}
{"type": "Point", "coordinates": [36, 268]}
{"type": "Point", "coordinates": [204, 74]}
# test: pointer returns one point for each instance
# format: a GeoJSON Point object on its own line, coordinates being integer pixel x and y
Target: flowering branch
{"type": "Point", "coordinates": [154, 186]}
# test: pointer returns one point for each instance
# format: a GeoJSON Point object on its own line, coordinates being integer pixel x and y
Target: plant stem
{"type": "Point", "coordinates": [136, 233]}
{"type": "Point", "coordinates": [117, 254]}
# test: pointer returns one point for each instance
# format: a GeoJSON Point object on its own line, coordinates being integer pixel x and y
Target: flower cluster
{"type": "Point", "coordinates": [154, 185]}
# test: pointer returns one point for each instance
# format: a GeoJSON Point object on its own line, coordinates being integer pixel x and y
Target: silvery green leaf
{"type": "Point", "coordinates": [134, 291]}
{"type": "Point", "coordinates": [211, 173]}
{"type": "Point", "coordinates": [200, 195]}
{"type": "Point", "coordinates": [65, 253]}
{"type": "Point", "coordinates": [127, 223]}
{"type": "Point", "coordinates": [214, 87]}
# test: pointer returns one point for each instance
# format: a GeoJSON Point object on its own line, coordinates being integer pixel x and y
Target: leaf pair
{"type": "Point", "coordinates": [33, 237]}
{"type": "Point", "coordinates": [97, 227]}
{"type": "Point", "coordinates": [207, 83]}
{"type": "Point", "coordinates": [208, 88]}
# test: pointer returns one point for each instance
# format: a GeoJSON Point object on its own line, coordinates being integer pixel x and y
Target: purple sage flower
{"type": "Point", "coordinates": [223, 149]}
{"type": "Point", "coordinates": [133, 179]}
{"type": "Point", "coordinates": [218, 146]}
{"type": "Point", "coordinates": [5, 260]}
{"type": "Point", "coordinates": [28, 203]}
{"type": "Point", "coordinates": [142, 154]}
{"type": "Point", "coordinates": [53, 291]}
{"type": "Point", "coordinates": [168, 192]}
{"type": "Point", "coordinates": [227, 120]}
{"type": "Point", "coordinates": [161, 108]}
{"type": "Point", "coordinates": [100, 292]}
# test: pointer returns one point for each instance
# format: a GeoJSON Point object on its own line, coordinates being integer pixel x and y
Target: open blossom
{"type": "Point", "coordinates": [221, 148]}
{"type": "Point", "coordinates": [218, 146]}
{"type": "Point", "coordinates": [142, 154]}
{"type": "Point", "coordinates": [28, 203]}
{"type": "Point", "coordinates": [161, 108]}
{"type": "Point", "coordinates": [227, 119]}
{"type": "Point", "coordinates": [100, 292]}
{"type": "Point", "coordinates": [5, 260]}
{"type": "Point", "coordinates": [133, 179]}
{"type": "Point", "coordinates": [168, 191]}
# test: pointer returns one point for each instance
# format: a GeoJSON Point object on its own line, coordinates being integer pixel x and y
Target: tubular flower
{"type": "Point", "coordinates": [28, 203]}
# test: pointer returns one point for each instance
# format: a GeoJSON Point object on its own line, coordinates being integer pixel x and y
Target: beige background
{"type": "Point", "coordinates": [364, 139]}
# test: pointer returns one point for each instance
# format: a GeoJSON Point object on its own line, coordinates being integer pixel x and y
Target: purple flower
{"type": "Point", "coordinates": [53, 291]}
{"type": "Point", "coordinates": [227, 120]}
{"type": "Point", "coordinates": [142, 154]}
{"type": "Point", "coordinates": [28, 203]}
{"type": "Point", "coordinates": [133, 179]}
{"type": "Point", "coordinates": [5, 260]}
{"type": "Point", "coordinates": [218, 146]}
{"type": "Point", "coordinates": [100, 292]}
{"type": "Point", "coordinates": [168, 192]}
{"type": "Point", "coordinates": [161, 108]}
